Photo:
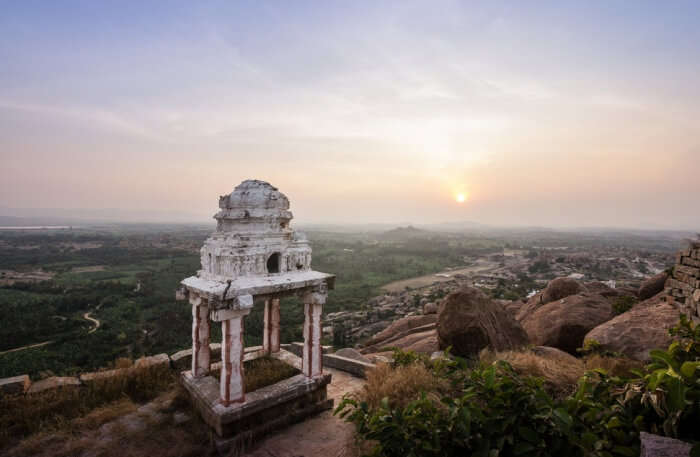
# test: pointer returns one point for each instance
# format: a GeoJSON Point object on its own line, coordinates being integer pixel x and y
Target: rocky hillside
{"type": "Point", "coordinates": [567, 315]}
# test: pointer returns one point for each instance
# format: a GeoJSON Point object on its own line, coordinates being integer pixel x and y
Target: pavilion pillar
{"type": "Point", "coordinates": [312, 357]}
{"type": "Point", "coordinates": [271, 326]}
{"type": "Point", "coordinates": [201, 357]}
{"type": "Point", "coordinates": [231, 386]}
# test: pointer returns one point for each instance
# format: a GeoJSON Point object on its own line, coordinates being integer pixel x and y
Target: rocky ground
{"type": "Point", "coordinates": [167, 426]}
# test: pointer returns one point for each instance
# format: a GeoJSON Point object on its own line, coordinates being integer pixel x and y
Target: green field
{"type": "Point", "coordinates": [133, 293]}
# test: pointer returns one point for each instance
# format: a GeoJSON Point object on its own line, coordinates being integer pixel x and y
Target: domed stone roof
{"type": "Point", "coordinates": [254, 206]}
{"type": "Point", "coordinates": [253, 193]}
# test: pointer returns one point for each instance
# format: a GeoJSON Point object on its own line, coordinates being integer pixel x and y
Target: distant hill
{"type": "Point", "coordinates": [404, 234]}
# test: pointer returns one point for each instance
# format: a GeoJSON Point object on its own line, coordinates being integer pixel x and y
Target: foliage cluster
{"type": "Point", "coordinates": [623, 304]}
{"type": "Point", "coordinates": [493, 411]}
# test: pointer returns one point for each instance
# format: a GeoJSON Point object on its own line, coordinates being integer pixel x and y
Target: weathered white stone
{"type": "Point", "coordinates": [271, 325]}
{"type": "Point", "coordinates": [252, 254]}
{"type": "Point", "coordinates": [232, 361]}
{"type": "Point", "coordinates": [201, 357]}
{"type": "Point", "coordinates": [15, 385]}
{"type": "Point", "coordinates": [312, 364]}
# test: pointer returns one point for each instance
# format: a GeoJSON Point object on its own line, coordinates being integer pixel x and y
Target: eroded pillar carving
{"type": "Point", "coordinates": [271, 325]}
{"type": "Point", "coordinates": [312, 357]}
{"type": "Point", "coordinates": [201, 357]}
{"type": "Point", "coordinates": [232, 351]}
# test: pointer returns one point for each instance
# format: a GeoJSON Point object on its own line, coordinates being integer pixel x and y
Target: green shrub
{"type": "Point", "coordinates": [623, 304]}
{"type": "Point", "coordinates": [493, 411]}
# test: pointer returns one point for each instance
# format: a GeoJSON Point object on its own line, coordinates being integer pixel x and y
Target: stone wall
{"type": "Point", "coordinates": [179, 361]}
{"type": "Point", "coordinates": [683, 286]}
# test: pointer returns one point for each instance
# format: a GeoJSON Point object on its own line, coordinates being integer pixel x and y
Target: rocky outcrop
{"type": "Point", "coordinates": [556, 290]}
{"type": "Point", "coordinates": [468, 321]}
{"type": "Point", "coordinates": [639, 330]}
{"type": "Point", "coordinates": [564, 323]}
{"type": "Point", "coordinates": [401, 328]}
{"type": "Point", "coordinates": [652, 286]}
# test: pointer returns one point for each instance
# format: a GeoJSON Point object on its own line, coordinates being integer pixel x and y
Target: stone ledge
{"type": "Point", "coordinates": [287, 396]}
{"type": "Point", "coordinates": [54, 382]}
{"type": "Point", "coordinates": [352, 366]}
{"type": "Point", "coordinates": [182, 360]}
{"type": "Point", "coordinates": [161, 360]}
{"type": "Point", "coordinates": [297, 348]}
{"type": "Point", "coordinates": [15, 385]}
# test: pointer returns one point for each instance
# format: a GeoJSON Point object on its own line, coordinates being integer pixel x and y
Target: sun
{"type": "Point", "coordinates": [460, 198]}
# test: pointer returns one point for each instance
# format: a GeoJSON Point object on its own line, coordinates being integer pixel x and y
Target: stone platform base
{"type": "Point", "coordinates": [263, 411]}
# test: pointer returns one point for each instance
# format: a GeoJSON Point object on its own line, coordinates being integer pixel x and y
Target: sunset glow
{"type": "Point", "coordinates": [375, 113]}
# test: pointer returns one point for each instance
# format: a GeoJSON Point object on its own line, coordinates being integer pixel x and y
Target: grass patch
{"type": "Point", "coordinates": [23, 415]}
{"type": "Point", "coordinates": [401, 384]}
{"type": "Point", "coordinates": [263, 372]}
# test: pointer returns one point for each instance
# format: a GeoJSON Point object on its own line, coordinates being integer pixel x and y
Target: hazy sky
{"type": "Point", "coordinates": [542, 113]}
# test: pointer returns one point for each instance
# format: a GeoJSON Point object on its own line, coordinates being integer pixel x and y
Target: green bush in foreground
{"type": "Point", "coordinates": [493, 411]}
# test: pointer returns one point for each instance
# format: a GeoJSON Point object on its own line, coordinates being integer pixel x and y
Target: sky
{"type": "Point", "coordinates": [560, 114]}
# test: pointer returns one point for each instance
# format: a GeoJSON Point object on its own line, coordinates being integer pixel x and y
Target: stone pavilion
{"type": "Point", "coordinates": [254, 256]}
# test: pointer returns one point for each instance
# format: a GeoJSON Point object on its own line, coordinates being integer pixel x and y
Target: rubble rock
{"type": "Point", "coordinates": [564, 323]}
{"type": "Point", "coordinates": [639, 330]}
{"type": "Point", "coordinates": [469, 321]}
{"type": "Point", "coordinates": [662, 446]}
{"type": "Point", "coordinates": [652, 286]}
{"type": "Point", "coordinates": [430, 308]}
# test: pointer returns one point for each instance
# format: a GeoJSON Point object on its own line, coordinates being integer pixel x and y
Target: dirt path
{"type": "Point", "coordinates": [480, 266]}
{"type": "Point", "coordinates": [324, 435]}
{"type": "Point", "coordinates": [29, 346]}
{"type": "Point", "coordinates": [86, 316]}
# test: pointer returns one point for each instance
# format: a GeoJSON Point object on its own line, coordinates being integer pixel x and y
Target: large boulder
{"type": "Point", "coordinates": [564, 323]}
{"type": "Point", "coordinates": [469, 321]}
{"type": "Point", "coordinates": [652, 286]}
{"type": "Point", "coordinates": [639, 330]}
{"type": "Point", "coordinates": [556, 290]}
{"type": "Point", "coordinates": [561, 288]}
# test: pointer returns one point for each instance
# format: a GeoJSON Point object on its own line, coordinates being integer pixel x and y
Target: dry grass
{"type": "Point", "coordinates": [54, 409]}
{"type": "Point", "coordinates": [400, 384]}
{"type": "Point", "coordinates": [560, 375]}
{"type": "Point", "coordinates": [262, 372]}
{"type": "Point", "coordinates": [128, 433]}
{"type": "Point", "coordinates": [266, 371]}
{"type": "Point", "coordinates": [616, 366]}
